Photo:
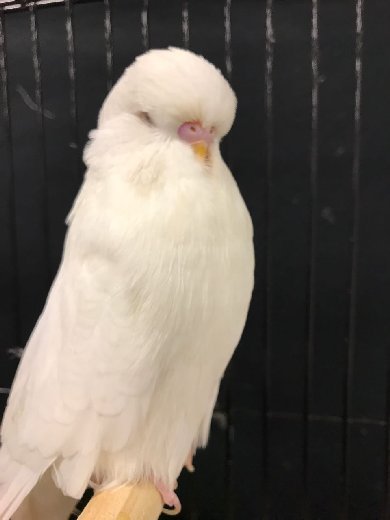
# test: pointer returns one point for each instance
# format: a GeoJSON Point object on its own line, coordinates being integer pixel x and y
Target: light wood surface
{"type": "Point", "coordinates": [133, 502]}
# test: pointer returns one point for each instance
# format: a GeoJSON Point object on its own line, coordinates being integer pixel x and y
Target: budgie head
{"type": "Point", "coordinates": [176, 93]}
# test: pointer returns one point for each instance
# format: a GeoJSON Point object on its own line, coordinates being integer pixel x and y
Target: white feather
{"type": "Point", "coordinates": [121, 373]}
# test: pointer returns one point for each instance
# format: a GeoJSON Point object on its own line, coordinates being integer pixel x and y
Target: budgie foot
{"type": "Point", "coordinates": [169, 498]}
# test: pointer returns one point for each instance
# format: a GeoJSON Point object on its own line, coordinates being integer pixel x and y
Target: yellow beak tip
{"type": "Point", "coordinates": [201, 149]}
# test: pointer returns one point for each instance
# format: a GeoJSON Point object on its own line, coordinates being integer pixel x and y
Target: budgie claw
{"type": "Point", "coordinates": [169, 498]}
{"type": "Point", "coordinates": [189, 462]}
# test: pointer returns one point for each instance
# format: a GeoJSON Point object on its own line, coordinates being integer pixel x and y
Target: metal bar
{"type": "Point", "coordinates": [228, 37]}
{"type": "Point", "coordinates": [4, 391]}
{"type": "Point", "coordinates": [108, 41]}
{"type": "Point", "coordinates": [267, 333]}
{"type": "Point", "coordinates": [11, 6]}
{"type": "Point", "coordinates": [41, 131]}
{"type": "Point", "coordinates": [185, 24]}
{"type": "Point", "coordinates": [6, 115]}
{"type": "Point", "coordinates": [75, 143]}
{"type": "Point", "coordinates": [311, 275]}
{"type": "Point", "coordinates": [15, 6]}
{"type": "Point", "coordinates": [351, 345]}
{"type": "Point", "coordinates": [145, 24]}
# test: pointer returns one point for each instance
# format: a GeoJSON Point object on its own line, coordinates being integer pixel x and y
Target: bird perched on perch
{"type": "Point", "coordinates": [120, 375]}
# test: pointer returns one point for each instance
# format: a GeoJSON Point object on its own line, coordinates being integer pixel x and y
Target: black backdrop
{"type": "Point", "coordinates": [302, 424]}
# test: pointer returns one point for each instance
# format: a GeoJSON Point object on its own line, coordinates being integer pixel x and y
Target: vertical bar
{"type": "Point", "coordinates": [41, 130]}
{"type": "Point", "coordinates": [185, 23]}
{"type": "Point", "coordinates": [145, 24]}
{"type": "Point", "coordinates": [267, 339]}
{"type": "Point", "coordinates": [228, 37]}
{"type": "Point", "coordinates": [351, 344]}
{"type": "Point", "coordinates": [311, 308]}
{"type": "Point", "coordinates": [72, 78]}
{"type": "Point", "coordinates": [108, 41]}
{"type": "Point", "coordinates": [12, 190]}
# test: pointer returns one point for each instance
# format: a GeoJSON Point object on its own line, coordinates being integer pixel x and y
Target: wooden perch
{"type": "Point", "coordinates": [132, 502]}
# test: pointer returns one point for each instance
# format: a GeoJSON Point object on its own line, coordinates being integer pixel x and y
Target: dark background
{"type": "Point", "coordinates": [301, 430]}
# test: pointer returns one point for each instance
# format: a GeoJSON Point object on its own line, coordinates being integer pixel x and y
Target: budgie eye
{"type": "Point", "coordinates": [145, 117]}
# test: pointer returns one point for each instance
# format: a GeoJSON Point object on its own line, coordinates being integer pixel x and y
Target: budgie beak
{"type": "Point", "coordinates": [201, 149]}
{"type": "Point", "coordinates": [198, 137]}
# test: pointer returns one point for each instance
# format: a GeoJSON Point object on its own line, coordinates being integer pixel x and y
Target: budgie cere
{"type": "Point", "coordinates": [119, 378]}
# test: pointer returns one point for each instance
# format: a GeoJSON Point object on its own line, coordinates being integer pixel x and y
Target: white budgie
{"type": "Point", "coordinates": [120, 375]}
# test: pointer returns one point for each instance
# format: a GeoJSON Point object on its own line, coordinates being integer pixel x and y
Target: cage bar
{"type": "Point", "coordinates": [228, 37]}
{"type": "Point", "coordinates": [351, 344]}
{"type": "Point", "coordinates": [108, 42]}
{"type": "Point", "coordinates": [72, 82]}
{"type": "Point", "coordinates": [311, 274]}
{"type": "Point", "coordinates": [145, 24]}
{"type": "Point", "coordinates": [185, 24]}
{"type": "Point", "coordinates": [267, 333]}
{"type": "Point", "coordinates": [34, 29]}
{"type": "Point", "coordinates": [11, 196]}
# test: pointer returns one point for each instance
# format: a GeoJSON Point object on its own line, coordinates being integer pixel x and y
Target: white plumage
{"type": "Point", "coordinates": [120, 376]}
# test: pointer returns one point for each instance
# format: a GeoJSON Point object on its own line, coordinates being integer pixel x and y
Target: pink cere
{"type": "Point", "coordinates": [193, 132]}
